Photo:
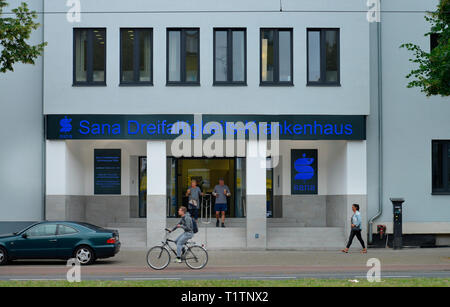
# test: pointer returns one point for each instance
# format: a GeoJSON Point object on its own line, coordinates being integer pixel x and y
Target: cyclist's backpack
{"type": "Point", "coordinates": [194, 226]}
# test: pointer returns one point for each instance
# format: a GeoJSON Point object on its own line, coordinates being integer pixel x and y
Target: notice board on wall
{"type": "Point", "coordinates": [304, 171]}
{"type": "Point", "coordinates": [107, 171]}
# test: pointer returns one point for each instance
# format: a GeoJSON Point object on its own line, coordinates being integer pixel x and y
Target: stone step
{"type": "Point", "coordinates": [212, 224]}
{"type": "Point", "coordinates": [237, 219]}
{"type": "Point", "coordinates": [290, 238]}
{"type": "Point", "coordinates": [231, 222]}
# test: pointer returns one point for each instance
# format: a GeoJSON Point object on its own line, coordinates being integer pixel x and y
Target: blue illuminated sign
{"type": "Point", "coordinates": [287, 127]}
{"type": "Point", "coordinates": [304, 170]}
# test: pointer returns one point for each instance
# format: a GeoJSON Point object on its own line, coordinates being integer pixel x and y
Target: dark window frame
{"type": "Point", "coordinates": [323, 57]}
{"type": "Point", "coordinates": [136, 58]}
{"type": "Point", "coordinates": [444, 172]}
{"type": "Point", "coordinates": [182, 81]}
{"type": "Point", "coordinates": [276, 78]}
{"type": "Point", "coordinates": [89, 59]}
{"type": "Point", "coordinates": [230, 81]}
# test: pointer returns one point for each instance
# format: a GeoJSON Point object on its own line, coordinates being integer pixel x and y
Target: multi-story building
{"type": "Point", "coordinates": [112, 85]}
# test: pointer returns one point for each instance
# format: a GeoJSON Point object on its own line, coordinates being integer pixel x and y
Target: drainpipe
{"type": "Point", "coordinates": [380, 132]}
{"type": "Point", "coordinates": [44, 150]}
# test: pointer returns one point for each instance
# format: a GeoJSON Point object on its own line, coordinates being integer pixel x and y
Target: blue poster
{"type": "Point", "coordinates": [107, 171]}
{"type": "Point", "coordinates": [304, 171]}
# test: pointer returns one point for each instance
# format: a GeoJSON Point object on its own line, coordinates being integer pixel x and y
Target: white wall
{"type": "Point", "coordinates": [336, 168]}
{"type": "Point", "coordinates": [350, 98]}
{"type": "Point", "coordinates": [80, 165]}
{"type": "Point", "coordinates": [21, 135]}
{"type": "Point", "coordinates": [411, 121]}
{"type": "Point", "coordinates": [332, 159]}
{"type": "Point", "coordinates": [56, 167]}
{"type": "Point", "coordinates": [356, 168]}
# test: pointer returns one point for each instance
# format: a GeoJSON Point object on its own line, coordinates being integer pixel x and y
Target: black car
{"type": "Point", "coordinates": [60, 240]}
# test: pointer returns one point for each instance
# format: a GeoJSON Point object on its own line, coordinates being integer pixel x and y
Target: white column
{"type": "Point", "coordinates": [156, 192]}
{"type": "Point", "coordinates": [55, 191]}
{"type": "Point", "coordinates": [357, 183]}
{"type": "Point", "coordinates": [256, 194]}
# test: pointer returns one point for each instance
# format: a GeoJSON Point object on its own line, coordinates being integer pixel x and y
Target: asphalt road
{"type": "Point", "coordinates": [249, 265]}
{"type": "Point", "coordinates": [187, 276]}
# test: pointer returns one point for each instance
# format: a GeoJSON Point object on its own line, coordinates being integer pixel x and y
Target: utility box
{"type": "Point", "coordinates": [398, 232]}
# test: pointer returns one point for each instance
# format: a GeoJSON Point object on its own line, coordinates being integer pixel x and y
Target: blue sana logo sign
{"type": "Point", "coordinates": [302, 166]}
{"type": "Point", "coordinates": [304, 171]}
{"type": "Point", "coordinates": [66, 127]}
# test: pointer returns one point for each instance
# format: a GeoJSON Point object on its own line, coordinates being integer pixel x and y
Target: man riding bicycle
{"type": "Point", "coordinates": [187, 225]}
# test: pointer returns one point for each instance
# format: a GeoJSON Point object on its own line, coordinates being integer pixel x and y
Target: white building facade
{"type": "Point", "coordinates": [318, 73]}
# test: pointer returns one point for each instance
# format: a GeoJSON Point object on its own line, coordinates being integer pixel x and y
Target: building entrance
{"type": "Point", "coordinates": [206, 171]}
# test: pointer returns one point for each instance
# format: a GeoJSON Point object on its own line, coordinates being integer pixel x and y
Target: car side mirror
{"type": "Point", "coordinates": [24, 236]}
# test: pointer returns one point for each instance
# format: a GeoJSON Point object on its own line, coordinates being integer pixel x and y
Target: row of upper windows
{"type": "Point", "coordinates": [183, 56]}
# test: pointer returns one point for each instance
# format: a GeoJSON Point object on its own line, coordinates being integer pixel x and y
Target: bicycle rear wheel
{"type": "Point", "coordinates": [196, 257]}
{"type": "Point", "coordinates": [158, 258]}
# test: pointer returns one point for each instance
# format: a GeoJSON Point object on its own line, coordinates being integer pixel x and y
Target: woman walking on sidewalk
{"type": "Point", "coordinates": [356, 230]}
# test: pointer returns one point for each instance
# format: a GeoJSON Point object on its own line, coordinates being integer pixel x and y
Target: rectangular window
{"type": "Point", "coordinates": [434, 40]}
{"type": "Point", "coordinates": [183, 56]}
{"type": "Point", "coordinates": [230, 57]}
{"type": "Point", "coordinates": [276, 57]}
{"type": "Point", "coordinates": [89, 57]}
{"type": "Point", "coordinates": [136, 49]}
{"type": "Point", "coordinates": [323, 57]}
{"type": "Point", "coordinates": [441, 167]}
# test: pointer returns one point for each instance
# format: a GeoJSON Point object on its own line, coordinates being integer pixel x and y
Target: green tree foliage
{"type": "Point", "coordinates": [15, 31]}
{"type": "Point", "coordinates": [433, 73]}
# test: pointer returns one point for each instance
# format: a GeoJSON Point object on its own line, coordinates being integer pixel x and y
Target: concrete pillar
{"type": "Point", "coordinates": [156, 192]}
{"type": "Point", "coordinates": [256, 194]}
{"type": "Point", "coordinates": [56, 177]}
{"type": "Point", "coordinates": [356, 177]}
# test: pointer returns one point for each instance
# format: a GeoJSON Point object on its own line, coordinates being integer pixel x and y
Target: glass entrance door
{"type": "Point", "coordinates": [207, 172]}
{"type": "Point", "coordinates": [142, 186]}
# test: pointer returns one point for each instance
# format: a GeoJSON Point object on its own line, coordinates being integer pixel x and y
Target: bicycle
{"type": "Point", "coordinates": [195, 256]}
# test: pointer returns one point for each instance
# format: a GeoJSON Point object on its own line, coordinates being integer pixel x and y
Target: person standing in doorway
{"type": "Point", "coordinates": [194, 194]}
{"type": "Point", "coordinates": [356, 230]}
{"type": "Point", "coordinates": [221, 192]}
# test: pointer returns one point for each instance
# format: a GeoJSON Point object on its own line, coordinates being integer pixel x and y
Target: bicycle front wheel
{"type": "Point", "coordinates": [196, 257]}
{"type": "Point", "coordinates": [158, 258]}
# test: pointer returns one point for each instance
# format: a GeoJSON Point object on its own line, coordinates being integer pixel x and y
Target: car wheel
{"type": "Point", "coordinates": [85, 255]}
{"type": "Point", "coordinates": [3, 256]}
